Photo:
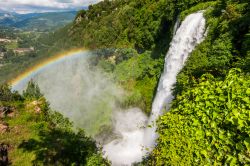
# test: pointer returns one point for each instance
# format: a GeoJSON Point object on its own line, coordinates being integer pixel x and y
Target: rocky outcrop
{"type": "Point", "coordinates": [35, 106]}
{"type": "Point", "coordinates": [4, 161]}
{"type": "Point", "coordinates": [4, 127]}
{"type": "Point", "coordinates": [7, 111]}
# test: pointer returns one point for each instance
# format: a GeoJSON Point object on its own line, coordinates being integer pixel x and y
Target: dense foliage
{"type": "Point", "coordinates": [133, 24]}
{"type": "Point", "coordinates": [6, 95]}
{"type": "Point", "coordinates": [40, 22]}
{"type": "Point", "coordinates": [39, 136]}
{"type": "Point", "coordinates": [32, 91]}
{"type": "Point", "coordinates": [127, 23]}
{"type": "Point", "coordinates": [207, 124]}
{"type": "Point", "coordinates": [226, 45]}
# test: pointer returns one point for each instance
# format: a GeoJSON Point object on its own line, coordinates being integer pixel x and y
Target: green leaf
{"type": "Point", "coordinates": [215, 115]}
{"type": "Point", "coordinates": [246, 99]}
{"type": "Point", "coordinates": [208, 104]}
{"type": "Point", "coordinates": [239, 146]}
{"type": "Point", "coordinates": [247, 143]}
{"type": "Point", "coordinates": [248, 91]}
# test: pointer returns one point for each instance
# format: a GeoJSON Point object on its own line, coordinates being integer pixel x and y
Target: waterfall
{"type": "Point", "coordinates": [188, 35]}
{"type": "Point", "coordinates": [89, 99]}
{"type": "Point", "coordinates": [134, 143]}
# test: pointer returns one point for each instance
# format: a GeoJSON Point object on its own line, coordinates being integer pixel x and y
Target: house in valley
{"type": "Point", "coordinates": [3, 40]}
{"type": "Point", "coordinates": [23, 50]}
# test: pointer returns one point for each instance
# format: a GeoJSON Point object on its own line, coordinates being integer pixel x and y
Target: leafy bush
{"type": "Point", "coordinates": [6, 95]}
{"type": "Point", "coordinates": [139, 76]}
{"type": "Point", "coordinates": [225, 45]}
{"type": "Point", "coordinates": [199, 6]}
{"type": "Point", "coordinates": [207, 124]}
{"type": "Point", "coordinates": [44, 137]}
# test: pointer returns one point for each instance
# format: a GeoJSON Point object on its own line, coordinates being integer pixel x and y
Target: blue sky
{"type": "Point", "coordinates": [29, 6]}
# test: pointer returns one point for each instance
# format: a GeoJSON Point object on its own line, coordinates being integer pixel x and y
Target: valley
{"type": "Point", "coordinates": [36, 22]}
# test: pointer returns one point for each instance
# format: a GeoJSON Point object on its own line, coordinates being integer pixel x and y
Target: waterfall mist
{"type": "Point", "coordinates": [85, 95]}
{"type": "Point", "coordinates": [128, 147]}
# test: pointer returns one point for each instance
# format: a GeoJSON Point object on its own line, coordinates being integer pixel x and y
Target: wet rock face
{"type": "Point", "coordinates": [35, 106]}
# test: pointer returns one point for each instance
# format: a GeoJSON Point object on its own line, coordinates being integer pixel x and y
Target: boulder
{"type": "Point", "coordinates": [4, 127]}
{"type": "Point", "coordinates": [35, 106]}
{"type": "Point", "coordinates": [37, 109]}
{"type": "Point", "coordinates": [11, 115]}
{"type": "Point", "coordinates": [6, 111]}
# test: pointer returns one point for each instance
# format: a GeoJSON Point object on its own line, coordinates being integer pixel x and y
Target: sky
{"type": "Point", "coordinates": [31, 6]}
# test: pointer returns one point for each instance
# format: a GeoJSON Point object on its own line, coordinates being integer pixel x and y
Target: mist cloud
{"type": "Point", "coordinates": [89, 98]}
{"type": "Point", "coordinates": [85, 95]}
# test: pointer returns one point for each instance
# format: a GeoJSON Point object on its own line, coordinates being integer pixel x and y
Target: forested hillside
{"type": "Point", "coordinates": [37, 135]}
{"type": "Point", "coordinates": [208, 122]}
{"type": "Point", "coordinates": [42, 22]}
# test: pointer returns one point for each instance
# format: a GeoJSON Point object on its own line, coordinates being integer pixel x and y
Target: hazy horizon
{"type": "Point", "coordinates": [42, 6]}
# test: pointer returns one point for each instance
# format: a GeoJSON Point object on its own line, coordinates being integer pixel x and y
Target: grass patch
{"type": "Point", "coordinates": [12, 45]}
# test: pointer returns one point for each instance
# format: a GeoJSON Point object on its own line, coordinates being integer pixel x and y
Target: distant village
{"type": "Point", "coordinates": [23, 50]}
{"type": "Point", "coordinates": [16, 51]}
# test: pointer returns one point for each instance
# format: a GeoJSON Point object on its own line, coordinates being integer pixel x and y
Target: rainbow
{"type": "Point", "coordinates": [43, 64]}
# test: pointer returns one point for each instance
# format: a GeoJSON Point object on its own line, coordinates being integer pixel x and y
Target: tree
{"type": "Point", "coordinates": [9, 54]}
{"type": "Point", "coordinates": [7, 95]}
{"type": "Point", "coordinates": [32, 91]}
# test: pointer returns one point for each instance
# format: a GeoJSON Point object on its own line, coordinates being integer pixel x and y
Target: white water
{"type": "Point", "coordinates": [131, 146]}
{"type": "Point", "coordinates": [189, 34]}
{"type": "Point", "coordinates": [127, 148]}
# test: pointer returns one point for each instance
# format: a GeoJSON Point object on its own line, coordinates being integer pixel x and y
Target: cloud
{"type": "Point", "coordinates": [28, 6]}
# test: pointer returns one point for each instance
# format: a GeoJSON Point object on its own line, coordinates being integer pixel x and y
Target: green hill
{"type": "Point", "coordinates": [37, 135]}
{"type": "Point", "coordinates": [37, 21]}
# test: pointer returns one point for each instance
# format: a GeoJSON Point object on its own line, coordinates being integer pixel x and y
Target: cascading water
{"type": "Point", "coordinates": [129, 147]}
{"type": "Point", "coordinates": [189, 34]}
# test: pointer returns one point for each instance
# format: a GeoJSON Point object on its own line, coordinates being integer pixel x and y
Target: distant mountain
{"type": "Point", "coordinates": [37, 21]}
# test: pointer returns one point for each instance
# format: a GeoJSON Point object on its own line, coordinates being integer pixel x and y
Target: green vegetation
{"type": "Point", "coordinates": [208, 122]}
{"type": "Point", "coordinates": [12, 64]}
{"type": "Point", "coordinates": [39, 136]}
{"type": "Point", "coordinates": [7, 32]}
{"type": "Point", "coordinates": [11, 45]}
{"type": "Point", "coordinates": [35, 30]}
{"type": "Point", "coordinates": [144, 26]}
{"type": "Point", "coordinates": [32, 91]}
{"type": "Point", "coordinates": [139, 76]}
{"type": "Point", "coordinates": [128, 25]}
{"type": "Point", "coordinates": [200, 6]}
{"type": "Point", "coordinates": [40, 22]}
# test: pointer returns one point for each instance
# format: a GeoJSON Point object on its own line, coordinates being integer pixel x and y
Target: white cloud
{"type": "Point", "coordinates": [26, 6]}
